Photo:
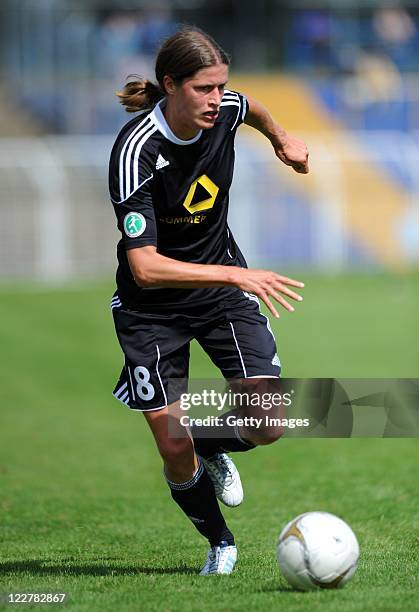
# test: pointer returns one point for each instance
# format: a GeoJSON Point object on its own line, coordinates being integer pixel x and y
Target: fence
{"type": "Point", "coordinates": [357, 207]}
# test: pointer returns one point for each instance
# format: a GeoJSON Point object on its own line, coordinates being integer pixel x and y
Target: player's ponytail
{"type": "Point", "coordinates": [139, 94]}
{"type": "Point", "coordinates": [180, 56]}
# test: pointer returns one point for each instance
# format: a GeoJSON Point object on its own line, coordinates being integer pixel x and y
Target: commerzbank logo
{"type": "Point", "coordinates": [201, 195]}
{"type": "Point", "coordinates": [134, 224]}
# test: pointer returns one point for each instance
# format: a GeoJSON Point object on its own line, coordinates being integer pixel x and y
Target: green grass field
{"type": "Point", "coordinates": [85, 509]}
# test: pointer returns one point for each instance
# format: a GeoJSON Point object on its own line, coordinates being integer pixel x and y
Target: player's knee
{"type": "Point", "coordinates": [177, 452]}
{"type": "Point", "coordinates": [267, 435]}
{"type": "Point", "coordinates": [272, 434]}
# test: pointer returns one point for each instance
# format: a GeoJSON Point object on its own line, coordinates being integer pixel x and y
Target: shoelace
{"type": "Point", "coordinates": [216, 555]}
{"type": "Point", "coordinates": [213, 558]}
{"type": "Point", "coordinates": [224, 468]}
{"type": "Point", "coordinates": [224, 464]}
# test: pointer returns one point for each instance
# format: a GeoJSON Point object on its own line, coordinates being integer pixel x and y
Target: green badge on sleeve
{"type": "Point", "coordinates": [134, 224]}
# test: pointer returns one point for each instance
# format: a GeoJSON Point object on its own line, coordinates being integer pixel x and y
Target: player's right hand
{"type": "Point", "coordinates": [266, 284]}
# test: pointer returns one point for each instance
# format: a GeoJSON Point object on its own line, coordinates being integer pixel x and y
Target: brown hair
{"type": "Point", "coordinates": [180, 56]}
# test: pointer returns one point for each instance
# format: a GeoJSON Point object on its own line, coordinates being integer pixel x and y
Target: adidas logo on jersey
{"type": "Point", "coordinates": [161, 162]}
{"type": "Point", "coordinates": [275, 361]}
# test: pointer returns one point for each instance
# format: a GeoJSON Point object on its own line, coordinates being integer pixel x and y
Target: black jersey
{"type": "Point", "coordinates": [174, 194]}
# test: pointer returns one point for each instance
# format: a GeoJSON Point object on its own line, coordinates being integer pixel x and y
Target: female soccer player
{"type": "Point", "coordinates": [181, 274]}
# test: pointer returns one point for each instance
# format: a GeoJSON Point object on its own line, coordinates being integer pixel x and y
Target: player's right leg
{"type": "Point", "coordinates": [192, 488]}
{"type": "Point", "coordinates": [156, 351]}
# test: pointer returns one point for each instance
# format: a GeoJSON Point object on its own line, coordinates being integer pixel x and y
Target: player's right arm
{"type": "Point", "coordinates": [151, 269]}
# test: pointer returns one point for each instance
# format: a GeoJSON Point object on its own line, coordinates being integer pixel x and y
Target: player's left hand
{"type": "Point", "coordinates": [293, 152]}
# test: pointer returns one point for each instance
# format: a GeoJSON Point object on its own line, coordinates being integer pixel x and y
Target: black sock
{"type": "Point", "coordinates": [223, 438]}
{"type": "Point", "coordinates": [197, 499]}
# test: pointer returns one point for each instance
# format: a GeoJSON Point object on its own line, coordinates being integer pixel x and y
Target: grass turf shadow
{"type": "Point", "coordinates": [48, 567]}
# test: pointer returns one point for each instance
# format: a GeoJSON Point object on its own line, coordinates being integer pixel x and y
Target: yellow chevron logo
{"type": "Point", "coordinates": [201, 195]}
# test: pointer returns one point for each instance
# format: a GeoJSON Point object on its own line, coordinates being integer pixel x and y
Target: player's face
{"type": "Point", "coordinates": [195, 102]}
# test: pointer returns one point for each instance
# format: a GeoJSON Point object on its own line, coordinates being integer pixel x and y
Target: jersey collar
{"type": "Point", "coordinates": [164, 128]}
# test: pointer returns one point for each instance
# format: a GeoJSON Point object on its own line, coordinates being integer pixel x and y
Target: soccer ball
{"type": "Point", "coordinates": [317, 550]}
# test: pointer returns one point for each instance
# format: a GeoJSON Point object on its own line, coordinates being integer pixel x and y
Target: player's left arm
{"type": "Point", "coordinates": [290, 150]}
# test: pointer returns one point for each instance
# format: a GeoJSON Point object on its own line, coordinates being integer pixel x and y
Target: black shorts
{"type": "Point", "coordinates": [235, 335]}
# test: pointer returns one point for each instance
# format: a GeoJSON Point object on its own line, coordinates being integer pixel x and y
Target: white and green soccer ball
{"type": "Point", "coordinates": [317, 550]}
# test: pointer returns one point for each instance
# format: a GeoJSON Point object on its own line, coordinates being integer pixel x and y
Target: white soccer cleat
{"type": "Point", "coordinates": [220, 560]}
{"type": "Point", "coordinates": [225, 478]}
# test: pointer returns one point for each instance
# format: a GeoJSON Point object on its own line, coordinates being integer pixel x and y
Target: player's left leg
{"type": "Point", "coordinates": [237, 438]}
{"type": "Point", "coordinates": [242, 345]}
